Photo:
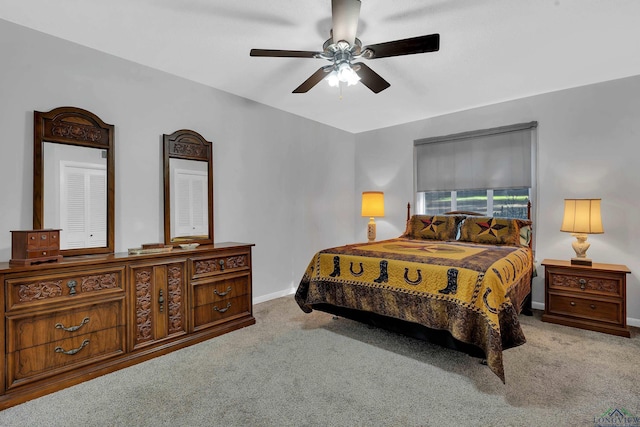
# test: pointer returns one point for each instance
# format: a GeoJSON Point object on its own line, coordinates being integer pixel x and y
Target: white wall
{"type": "Point", "coordinates": [282, 182]}
{"type": "Point", "coordinates": [588, 139]}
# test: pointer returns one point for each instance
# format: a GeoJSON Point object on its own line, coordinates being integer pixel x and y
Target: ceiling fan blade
{"type": "Point", "coordinates": [283, 53]}
{"type": "Point", "coordinates": [370, 78]}
{"type": "Point", "coordinates": [422, 44]}
{"type": "Point", "coordinates": [311, 81]}
{"type": "Point", "coordinates": [345, 14]}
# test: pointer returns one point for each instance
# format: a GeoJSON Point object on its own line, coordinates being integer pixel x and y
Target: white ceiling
{"type": "Point", "coordinates": [490, 50]}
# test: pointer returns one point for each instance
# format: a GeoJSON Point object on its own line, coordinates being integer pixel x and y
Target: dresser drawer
{"type": "Point", "coordinates": [220, 264]}
{"type": "Point", "coordinates": [46, 288]}
{"type": "Point", "coordinates": [608, 285]}
{"type": "Point", "coordinates": [225, 309]}
{"type": "Point", "coordinates": [29, 331]}
{"type": "Point", "coordinates": [216, 291]}
{"type": "Point", "coordinates": [585, 308]}
{"type": "Point", "coordinates": [34, 363]}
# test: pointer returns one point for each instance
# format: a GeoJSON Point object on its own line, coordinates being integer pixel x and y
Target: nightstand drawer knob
{"type": "Point", "coordinates": [583, 284]}
{"type": "Point", "coordinates": [572, 303]}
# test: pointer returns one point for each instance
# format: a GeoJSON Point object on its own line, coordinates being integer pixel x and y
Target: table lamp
{"type": "Point", "coordinates": [581, 217]}
{"type": "Point", "coordinates": [372, 205]}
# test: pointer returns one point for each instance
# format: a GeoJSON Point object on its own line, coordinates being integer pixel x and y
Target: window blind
{"type": "Point", "coordinates": [489, 158]}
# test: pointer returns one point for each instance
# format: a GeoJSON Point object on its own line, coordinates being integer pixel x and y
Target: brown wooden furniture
{"type": "Point", "coordinates": [35, 246]}
{"type": "Point", "coordinates": [73, 320]}
{"type": "Point", "coordinates": [588, 297]}
{"type": "Point", "coordinates": [72, 127]}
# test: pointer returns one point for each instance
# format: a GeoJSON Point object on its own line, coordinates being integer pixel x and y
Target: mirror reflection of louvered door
{"type": "Point", "coordinates": [83, 202]}
{"type": "Point", "coordinates": [191, 203]}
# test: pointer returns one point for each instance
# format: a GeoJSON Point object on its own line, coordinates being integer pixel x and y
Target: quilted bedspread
{"type": "Point", "coordinates": [474, 291]}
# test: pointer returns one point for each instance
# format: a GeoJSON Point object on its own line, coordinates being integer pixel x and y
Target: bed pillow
{"type": "Point", "coordinates": [433, 227]}
{"type": "Point", "coordinates": [496, 231]}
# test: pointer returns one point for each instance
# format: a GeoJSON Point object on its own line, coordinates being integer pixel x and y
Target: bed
{"type": "Point", "coordinates": [458, 279]}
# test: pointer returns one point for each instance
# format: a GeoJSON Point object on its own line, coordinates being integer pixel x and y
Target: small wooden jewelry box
{"type": "Point", "coordinates": [34, 246]}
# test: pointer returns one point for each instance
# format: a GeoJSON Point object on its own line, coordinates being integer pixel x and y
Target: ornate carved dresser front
{"type": "Point", "coordinates": [69, 321]}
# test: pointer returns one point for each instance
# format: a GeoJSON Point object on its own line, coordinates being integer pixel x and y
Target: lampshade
{"type": "Point", "coordinates": [582, 216]}
{"type": "Point", "coordinates": [372, 203]}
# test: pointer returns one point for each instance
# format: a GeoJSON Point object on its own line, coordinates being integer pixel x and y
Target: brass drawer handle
{"type": "Point", "coordinates": [222, 294]}
{"type": "Point", "coordinates": [583, 284]}
{"type": "Point", "coordinates": [221, 262]}
{"type": "Point", "coordinates": [74, 351]}
{"type": "Point", "coordinates": [72, 328]}
{"type": "Point", "coordinates": [222, 310]}
{"type": "Point", "coordinates": [572, 303]}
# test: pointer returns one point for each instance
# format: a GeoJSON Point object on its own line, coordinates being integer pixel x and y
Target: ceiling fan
{"type": "Point", "coordinates": [343, 48]}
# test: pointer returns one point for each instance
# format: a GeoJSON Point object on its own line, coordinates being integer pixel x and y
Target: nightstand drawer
{"type": "Point", "coordinates": [587, 283]}
{"type": "Point", "coordinates": [584, 308]}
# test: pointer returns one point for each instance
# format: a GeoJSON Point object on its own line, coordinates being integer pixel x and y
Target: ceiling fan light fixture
{"type": "Point", "coordinates": [343, 47]}
{"type": "Point", "coordinates": [347, 75]}
{"type": "Point", "coordinates": [333, 79]}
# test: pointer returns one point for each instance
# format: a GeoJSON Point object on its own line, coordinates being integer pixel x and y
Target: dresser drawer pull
{"type": "Point", "coordinates": [74, 351]}
{"type": "Point", "coordinates": [583, 284]}
{"type": "Point", "coordinates": [593, 306]}
{"type": "Point", "coordinates": [221, 262]}
{"type": "Point", "coordinates": [72, 328]}
{"type": "Point", "coordinates": [572, 303]}
{"type": "Point", "coordinates": [222, 294]}
{"type": "Point", "coordinates": [71, 284]}
{"type": "Point", "coordinates": [222, 310]}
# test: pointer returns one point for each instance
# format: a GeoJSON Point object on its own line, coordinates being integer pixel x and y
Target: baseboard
{"type": "Point", "coordinates": [279, 294]}
{"type": "Point", "coordinates": [537, 305]}
{"type": "Point", "coordinates": [630, 320]}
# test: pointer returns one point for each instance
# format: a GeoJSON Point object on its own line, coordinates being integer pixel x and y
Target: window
{"type": "Point", "coordinates": [510, 202]}
{"type": "Point", "coordinates": [491, 171]}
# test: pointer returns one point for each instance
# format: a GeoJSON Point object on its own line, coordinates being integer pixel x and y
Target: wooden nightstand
{"type": "Point", "coordinates": [588, 297]}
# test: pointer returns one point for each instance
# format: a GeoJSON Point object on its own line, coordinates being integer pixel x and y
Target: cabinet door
{"type": "Point", "coordinates": [159, 302]}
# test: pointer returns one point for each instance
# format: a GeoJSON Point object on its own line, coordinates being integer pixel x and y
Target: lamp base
{"type": "Point", "coordinates": [580, 246]}
{"type": "Point", "coordinates": [371, 230]}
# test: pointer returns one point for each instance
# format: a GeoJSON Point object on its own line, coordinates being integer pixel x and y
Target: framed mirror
{"type": "Point", "coordinates": [73, 179]}
{"type": "Point", "coordinates": [188, 188]}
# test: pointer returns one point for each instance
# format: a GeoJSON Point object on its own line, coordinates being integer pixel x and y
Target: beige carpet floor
{"type": "Point", "coordinates": [296, 369]}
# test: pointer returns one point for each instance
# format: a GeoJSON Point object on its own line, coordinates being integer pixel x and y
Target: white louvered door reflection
{"type": "Point", "coordinates": [190, 203]}
{"type": "Point", "coordinates": [83, 202]}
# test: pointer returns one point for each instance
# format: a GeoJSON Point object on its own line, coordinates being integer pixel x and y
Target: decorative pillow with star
{"type": "Point", "coordinates": [495, 231]}
{"type": "Point", "coordinates": [433, 227]}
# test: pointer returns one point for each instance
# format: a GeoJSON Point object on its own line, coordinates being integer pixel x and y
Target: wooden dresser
{"type": "Point", "coordinates": [589, 297]}
{"type": "Point", "coordinates": [70, 321]}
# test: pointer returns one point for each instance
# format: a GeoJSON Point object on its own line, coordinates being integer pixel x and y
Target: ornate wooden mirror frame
{"type": "Point", "coordinates": [186, 145]}
{"type": "Point", "coordinates": [71, 126]}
